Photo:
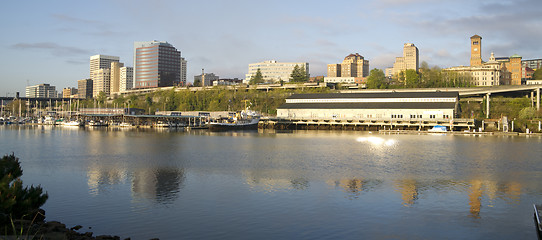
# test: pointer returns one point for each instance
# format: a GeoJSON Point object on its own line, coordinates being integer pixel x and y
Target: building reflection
{"type": "Point", "coordinates": [274, 181]}
{"type": "Point", "coordinates": [509, 192]}
{"type": "Point", "coordinates": [408, 190]}
{"type": "Point", "coordinates": [162, 185]}
{"type": "Point", "coordinates": [475, 198]}
{"type": "Point", "coordinates": [99, 177]}
{"type": "Point", "coordinates": [354, 186]}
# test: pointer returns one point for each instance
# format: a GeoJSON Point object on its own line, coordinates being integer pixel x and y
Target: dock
{"type": "Point", "coordinates": [374, 124]}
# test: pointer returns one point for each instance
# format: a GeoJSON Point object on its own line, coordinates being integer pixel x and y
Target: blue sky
{"type": "Point", "coordinates": [51, 41]}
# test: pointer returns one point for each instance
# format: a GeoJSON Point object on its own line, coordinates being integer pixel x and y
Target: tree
{"type": "Point", "coordinates": [424, 66]}
{"type": "Point", "coordinates": [401, 78]}
{"type": "Point", "coordinates": [537, 75]}
{"type": "Point", "coordinates": [17, 202]}
{"type": "Point", "coordinates": [299, 74]}
{"type": "Point", "coordinates": [197, 82]}
{"type": "Point", "coordinates": [412, 78]}
{"type": "Point", "coordinates": [376, 79]}
{"type": "Point", "coordinates": [101, 97]}
{"type": "Point", "coordinates": [257, 78]}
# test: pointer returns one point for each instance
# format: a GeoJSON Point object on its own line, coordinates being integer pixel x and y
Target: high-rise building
{"type": "Point", "coordinates": [101, 61]}
{"type": "Point", "coordinates": [273, 71]}
{"type": "Point", "coordinates": [41, 91]}
{"type": "Point", "coordinates": [353, 65]}
{"type": "Point", "coordinates": [476, 50]}
{"type": "Point", "coordinates": [156, 64]}
{"type": "Point", "coordinates": [409, 60]}
{"type": "Point", "coordinates": [183, 71]}
{"type": "Point", "coordinates": [69, 92]}
{"type": "Point", "coordinates": [115, 77]}
{"type": "Point", "coordinates": [334, 70]}
{"type": "Point", "coordinates": [126, 78]}
{"type": "Point", "coordinates": [101, 79]}
{"type": "Point", "coordinates": [84, 88]}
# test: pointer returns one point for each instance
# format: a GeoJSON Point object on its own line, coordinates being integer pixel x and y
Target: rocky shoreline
{"type": "Point", "coordinates": [38, 228]}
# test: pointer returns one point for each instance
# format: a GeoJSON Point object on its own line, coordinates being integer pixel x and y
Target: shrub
{"type": "Point", "coordinates": [17, 202]}
{"type": "Point", "coordinates": [527, 113]}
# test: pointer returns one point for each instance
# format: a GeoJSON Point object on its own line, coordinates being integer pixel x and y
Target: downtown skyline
{"type": "Point", "coordinates": [51, 42]}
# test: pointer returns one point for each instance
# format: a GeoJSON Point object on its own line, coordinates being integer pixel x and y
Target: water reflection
{"type": "Point", "coordinates": [355, 186]}
{"type": "Point", "coordinates": [272, 182]}
{"type": "Point", "coordinates": [161, 185]}
{"type": "Point", "coordinates": [408, 189]}
{"type": "Point", "coordinates": [100, 178]}
{"type": "Point", "coordinates": [195, 182]}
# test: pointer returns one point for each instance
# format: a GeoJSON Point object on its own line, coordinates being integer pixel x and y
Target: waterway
{"type": "Point", "coordinates": [282, 185]}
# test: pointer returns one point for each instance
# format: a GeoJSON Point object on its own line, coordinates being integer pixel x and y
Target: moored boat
{"type": "Point", "coordinates": [125, 124]}
{"type": "Point", "coordinates": [245, 120]}
{"type": "Point", "coordinates": [438, 128]}
{"type": "Point", "coordinates": [74, 123]}
{"type": "Point", "coordinates": [97, 124]}
{"type": "Point", "coordinates": [537, 213]}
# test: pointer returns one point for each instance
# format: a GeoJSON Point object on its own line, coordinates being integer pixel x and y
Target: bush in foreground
{"type": "Point", "coordinates": [17, 202]}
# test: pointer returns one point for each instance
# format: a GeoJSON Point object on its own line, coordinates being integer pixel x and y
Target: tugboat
{"type": "Point", "coordinates": [244, 120]}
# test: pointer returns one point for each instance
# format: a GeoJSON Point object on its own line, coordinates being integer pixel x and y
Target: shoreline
{"type": "Point", "coordinates": [459, 133]}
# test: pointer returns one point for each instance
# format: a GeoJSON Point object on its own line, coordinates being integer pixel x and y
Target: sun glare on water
{"type": "Point", "coordinates": [376, 141]}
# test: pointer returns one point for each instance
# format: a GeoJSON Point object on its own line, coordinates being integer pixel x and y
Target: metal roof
{"type": "Point", "coordinates": [376, 95]}
{"type": "Point", "coordinates": [391, 105]}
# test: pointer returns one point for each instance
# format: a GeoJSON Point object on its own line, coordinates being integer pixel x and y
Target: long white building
{"type": "Point", "coordinates": [392, 106]}
{"type": "Point", "coordinates": [41, 91]}
{"type": "Point", "coordinates": [273, 71]}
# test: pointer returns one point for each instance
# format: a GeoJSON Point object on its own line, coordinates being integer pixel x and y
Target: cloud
{"type": "Point", "coordinates": [70, 19]}
{"type": "Point", "coordinates": [55, 49]}
{"type": "Point", "coordinates": [77, 62]}
{"type": "Point", "coordinates": [91, 27]}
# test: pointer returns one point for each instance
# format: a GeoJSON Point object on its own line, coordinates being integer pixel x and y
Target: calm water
{"type": "Point", "coordinates": [297, 185]}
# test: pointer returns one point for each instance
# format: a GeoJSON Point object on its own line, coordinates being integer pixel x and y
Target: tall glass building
{"type": "Point", "coordinates": [156, 64]}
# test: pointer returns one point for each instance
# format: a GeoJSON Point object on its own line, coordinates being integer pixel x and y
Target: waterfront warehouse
{"type": "Point", "coordinates": [394, 106]}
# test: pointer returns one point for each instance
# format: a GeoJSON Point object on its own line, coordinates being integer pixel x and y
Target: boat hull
{"type": "Point", "coordinates": [537, 215]}
{"type": "Point", "coordinates": [232, 126]}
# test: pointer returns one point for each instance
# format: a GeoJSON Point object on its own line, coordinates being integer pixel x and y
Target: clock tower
{"type": "Point", "coordinates": [475, 50]}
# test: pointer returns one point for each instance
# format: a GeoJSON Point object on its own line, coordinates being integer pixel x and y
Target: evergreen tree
{"type": "Point", "coordinates": [257, 78]}
{"type": "Point", "coordinates": [17, 202]}
{"type": "Point", "coordinates": [299, 75]}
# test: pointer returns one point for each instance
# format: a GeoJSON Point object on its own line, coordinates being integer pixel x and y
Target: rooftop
{"type": "Point", "coordinates": [376, 95]}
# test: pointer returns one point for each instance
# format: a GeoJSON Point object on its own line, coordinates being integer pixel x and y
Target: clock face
{"type": "Point", "coordinates": [475, 49]}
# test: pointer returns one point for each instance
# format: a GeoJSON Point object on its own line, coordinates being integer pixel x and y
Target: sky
{"type": "Point", "coordinates": [52, 41]}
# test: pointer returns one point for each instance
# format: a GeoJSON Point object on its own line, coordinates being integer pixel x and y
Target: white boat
{"type": "Point", "coordinates": [49, 120]}
{"type": "Point", "coordinates": [93, 123]}
{"type": "Point", "coordinates": [438, 128]}
{"type": "Point", "coordinates": [74, 123]}
{"type": "Point", "coordinates": [125, 124]}
{"type": "Point", "coordinates": [161, 124]}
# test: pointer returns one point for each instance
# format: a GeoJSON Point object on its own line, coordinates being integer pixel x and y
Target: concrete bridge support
{"type": "Point", "coordinates": [487, 104]}
{"type": "Point", "coordinates": [538, 99]}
